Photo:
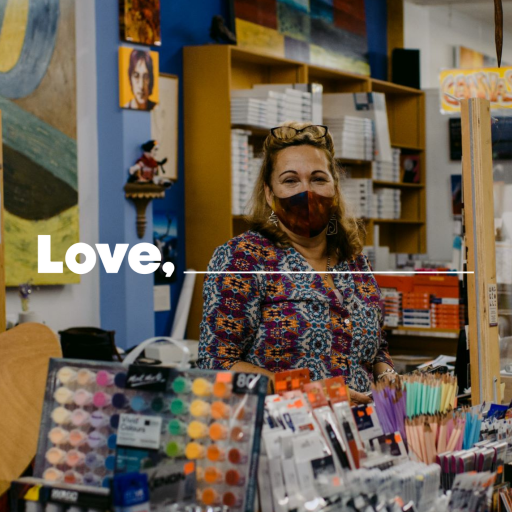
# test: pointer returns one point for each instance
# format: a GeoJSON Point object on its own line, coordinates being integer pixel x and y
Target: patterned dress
{"type": "Point", "coordinates": [285, 321]}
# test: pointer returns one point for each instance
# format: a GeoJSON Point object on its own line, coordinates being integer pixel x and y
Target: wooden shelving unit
{"type": "Point", "coordinates": [210, 73]}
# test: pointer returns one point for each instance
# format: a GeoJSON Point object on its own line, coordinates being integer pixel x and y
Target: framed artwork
{"type": "Point", "coordinates": [165, 237]}
{"type": "Point", "coordinates": [164, 124]}
{"type": "Point", "coordinates": [38, 104]}
{"type": "Point", "coordinates": [326, 33]}
{"type": "Point", "coordinates": [138, 79]}
{"type": "Point", "coordinates": [139, 21]}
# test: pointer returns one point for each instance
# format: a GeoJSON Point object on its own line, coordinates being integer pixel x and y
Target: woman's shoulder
{"type": "Point", "coordinates": [248, 250]}
{"type": "Point", "coordinates": [361, 262]}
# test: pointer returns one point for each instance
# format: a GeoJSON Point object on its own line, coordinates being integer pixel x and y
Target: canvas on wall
{"type": "Point", "coordinates": [165, 237]}
{"type": "Point", "coordinates": [38, 104]}
{"type": "Point", "coordinates": [138, 79]}
{"type": "Point", "coordinates": [164, 125]}
{"type": "Point", "coordinates": [139, 21]}
{"type": "Point", "coordinates": [326, 33]}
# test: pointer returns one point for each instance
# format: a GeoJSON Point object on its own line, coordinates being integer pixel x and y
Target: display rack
{"type": "Point", "coordinates": [210, 73]}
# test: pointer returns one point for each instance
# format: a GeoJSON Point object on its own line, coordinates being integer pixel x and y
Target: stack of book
{"type": "Point", "coordinates": [387, 171]}
{"type": "Point", "coordinates": [270, 105]}
{"type": "Point", "coordinates": [245, 168]}
{"type": "Point", "coordinates": [249, 111]}
{"type": "Point", "coordinates": [387, 203]}
{"type": "Point", "coordinates": [392, 308]}
{"type": "Point", "coordinates": [446, 313]}
{"type": "Point", "coordinates": [353, 137]}
{"type": "Point", "coordinates": [416, 310]}
{"type": "Point", "coordinates": [358, 193]}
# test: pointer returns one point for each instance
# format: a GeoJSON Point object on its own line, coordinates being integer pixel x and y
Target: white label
{"type": "Point", "coordinates": [162, 297]}
{"type": "Point", "coordinates": [139, 431]}
{"type": "Point", "coordinates": [493, 304]}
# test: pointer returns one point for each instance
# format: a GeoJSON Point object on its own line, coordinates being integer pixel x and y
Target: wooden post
{"type": "Point", "coordinates": [3, 322]}
{"type": "Point", "coordinates": [481, 254]}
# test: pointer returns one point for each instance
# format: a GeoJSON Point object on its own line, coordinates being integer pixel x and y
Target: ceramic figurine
{"type": "Point", "coordinates": [147, 169]}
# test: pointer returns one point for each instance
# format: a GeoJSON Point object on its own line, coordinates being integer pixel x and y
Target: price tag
{"type": "Point", "coordinates": [249, 384]}
{"type": "Point", "coordinates": [493, 304]}
{"type": "Point", "coordinates": [139, 431]}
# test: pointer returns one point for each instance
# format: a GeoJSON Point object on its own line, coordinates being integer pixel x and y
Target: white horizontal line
{"type": "Point", "coordinates": [322, 272]}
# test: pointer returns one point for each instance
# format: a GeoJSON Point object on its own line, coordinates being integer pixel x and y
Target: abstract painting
{"type": "Point", "coordinates": [330, 33]}
{"type": "Point", "coordinates": [138, 79]}
{"type": "Point", "coordinates": [139, 21]}
{"type": "Point", "coordinates": [38, 105]}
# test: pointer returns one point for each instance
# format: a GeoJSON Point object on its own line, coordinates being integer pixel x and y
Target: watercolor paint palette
{"type": "Point", "coordinates": [104, 418]}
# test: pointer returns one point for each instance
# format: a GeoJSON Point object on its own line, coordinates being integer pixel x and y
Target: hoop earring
{"type": "Point", "coordinates": [332, 227]}
{"type": "Point", "coordinates": [273, 219]}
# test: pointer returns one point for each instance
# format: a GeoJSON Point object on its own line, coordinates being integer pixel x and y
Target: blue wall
{"type": "Point", "coordinates": [126, 298]}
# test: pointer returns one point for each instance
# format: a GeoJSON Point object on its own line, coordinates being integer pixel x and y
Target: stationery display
{"type": "Point", "coordinates": [197, 431]}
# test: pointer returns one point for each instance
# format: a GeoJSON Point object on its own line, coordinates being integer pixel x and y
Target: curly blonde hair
{"type": "Point", "coordinates": [347, 243]}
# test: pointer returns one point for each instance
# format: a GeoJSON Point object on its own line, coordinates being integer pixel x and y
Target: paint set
{"type": "Point", "coordinates": [197, 430]}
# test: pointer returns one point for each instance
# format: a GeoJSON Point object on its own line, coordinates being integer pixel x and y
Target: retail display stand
{"type": "Point", "coordinates": [481, 256]}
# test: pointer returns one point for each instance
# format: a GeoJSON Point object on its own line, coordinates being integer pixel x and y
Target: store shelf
{"type": "Point", "coordinates": [408, 146]}
{"type": "Point", "coordinates": [423, 332]}
{"type": "Point", "coordinates": [397, 221]}
{"type": "Point", "coordinates": [396, 184]}
{"type": "Point", "coordinates": [257, 131]}
{"type": "Point", "coordinates": [390, 88]}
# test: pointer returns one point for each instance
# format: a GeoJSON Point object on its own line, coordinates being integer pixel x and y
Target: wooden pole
{"type": "Point", "coordinates": [477, 181]}
{"type": "Point", "coordinates": [3, 322]}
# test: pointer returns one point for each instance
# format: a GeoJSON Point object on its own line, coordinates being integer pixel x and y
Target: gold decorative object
{"type": "Point", "coordinates": [142, 195]}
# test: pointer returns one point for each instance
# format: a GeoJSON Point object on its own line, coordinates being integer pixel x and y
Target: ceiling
{"type": "Point", "coordinates": [482, 10]}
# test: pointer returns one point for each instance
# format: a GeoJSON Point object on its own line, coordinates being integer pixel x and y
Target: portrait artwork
{"type": "Point", "coordinates": [139, 21]}
{"type": "Point", "coordinates": [138, 79]}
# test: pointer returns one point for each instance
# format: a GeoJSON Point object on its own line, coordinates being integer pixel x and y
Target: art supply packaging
{"type": "Point", "coordinates": [101, 419]}
{"type": "Point", "coordinates": [130, 492]}
{"type": "Point", "coordinates": [30, 494]}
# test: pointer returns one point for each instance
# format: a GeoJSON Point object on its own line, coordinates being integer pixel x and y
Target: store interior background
{"type": "Point", "coordinates": [109, 139]}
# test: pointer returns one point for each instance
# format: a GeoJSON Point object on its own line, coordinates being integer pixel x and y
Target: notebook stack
{"type": "Point", "coordinates": [416, 309]}
{"type": "Point", "coordinates": [358, 193]}
{"type": "Point", "coordinates": [392, 308]}
{"type": "Point", "coordinates": [387, 171]}
{"type": "Point", "coordinates": [249, 111]}
{"type": "Point", "coordinates": [387, 203]}
{"type": "Point", "coordinates": [292, 104]}
{"type": "Point", "coordinates": [353, 137]}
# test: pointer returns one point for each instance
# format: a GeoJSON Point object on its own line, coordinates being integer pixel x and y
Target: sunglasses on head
{"type": "Point", "coordinates": [317, 131]}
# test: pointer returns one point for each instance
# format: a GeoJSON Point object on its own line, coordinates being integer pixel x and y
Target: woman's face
{"type": "Point", "coordinates": [300, 169]}
{"type": "Point", "coordinates": [140, 83]}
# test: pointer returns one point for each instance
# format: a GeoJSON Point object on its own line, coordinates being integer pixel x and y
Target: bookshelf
{"type": "Point", "coordinates": [210, 72]}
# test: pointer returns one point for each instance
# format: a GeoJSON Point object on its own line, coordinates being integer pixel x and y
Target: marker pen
{"type": "Point", "coordinates": [236, 456]}
{"type": "Point", "coordinates": [194, 451]}
{"type": "Point", "coordinates": [77, 437]}
{"type": "Point", "coordinates": [212, 475]}
{"type": "Point", "coordinates": [110, 463]}
{"type": "Point", "coordinates": [201, 387]}
{"type": "Point", "coordinates": [232, 499]}
{"type": "Point", "coordinates": [53, 475]}
{"type": "Point", "coordinates": [104, 378]}
{"type": "Point", "coordinates": [197, 430]}
{"type": "Point", "coordinates": [99, 419]}
{"type": "Point", "coordinates": [138, 404]}
{"type": "Point", "coordinates": [55, 456]}
{"type": "Point", "coordinates": [222, 389]}
{"type": "Point", "coordinates": [101, 399]}
{"type": "Point", "coordinates": [114, 421]}
{"type": "Point", "coordinates": [92, 479]}
{"type": "Point", "coordinates": [79, 417]}
{"type": "Point", "coordinates": [72, 477]}
{"type": "Point", "coordinates": [58, 435]}
{"type": "Point", "coordinates": [157, 404]}
{"type": "Point", "coordinates": [112, 441]}
{"type": "Point", "coordinates": [120, 380]}
{"type": "Point", "coordinates": [63, 395]}
{"type": "Point", "coordinates": [177, 428]}
{"type": "Point", "coordinates": [175, 449]}
{"type": "Point", "coordinates": [234, 478]}
{"type": "Point", "coordinates": [61, 416]}
{"type": "Point", "coordinates": [179, 407]}
{"type": "Point", "coordinates": [218, 432]}
{"type": "Point", "coordinates": [93, 460]}
{"type": "Point", "coordinates": [96, 439]}
{"type": "Point", "coordinates": [66, 375]}
{"type": "Point", "coordinates": [199, 408]}
{"type": "Point", "coordinates": [210, 497]}
{"type": "Point", "coordinates": [239, 434]}
{"type": "Point", "coordinates": [75, 458]}
{"type": "Point", "coordinates": [335, 442]}
{"type": "Point", "coordinates": [119, 401]}
{"type": "Point", "coordinates": [215, 453]}
{"type": "Point", "coordinates": [85, 377]}
{"type": "Point", "coordinates": [181, 385]}
{"type": "Point", "coordinates": [220, 411]}
{"type": "Point", "coordinates": [82, 397]}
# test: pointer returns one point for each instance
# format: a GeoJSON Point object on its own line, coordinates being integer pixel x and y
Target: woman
{"type": "Point", "coordinates": [140, 73]}
{"type": "Point", "coordinates": [269, 309]}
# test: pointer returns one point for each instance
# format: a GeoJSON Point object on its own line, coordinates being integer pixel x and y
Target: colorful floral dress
{"type": "Point", "coordinates": [283, 321]}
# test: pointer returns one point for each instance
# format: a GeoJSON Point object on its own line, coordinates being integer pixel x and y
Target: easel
{"type": "Point", "coordinates": [477, 179]}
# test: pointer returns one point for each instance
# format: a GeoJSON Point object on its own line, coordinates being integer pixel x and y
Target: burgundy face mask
{"type": "Point", "coordinates": [306, 214]}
